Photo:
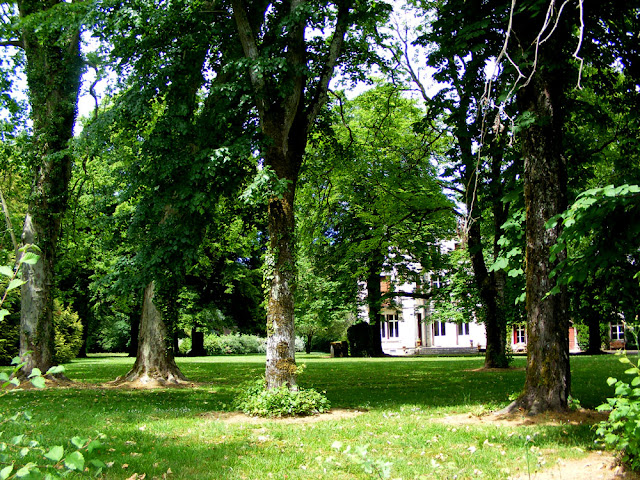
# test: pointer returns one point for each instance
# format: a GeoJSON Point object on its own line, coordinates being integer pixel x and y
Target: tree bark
{"type": "Point", "coordinates": [154, 363]}
{"type": "Point", "coordinates": [53, 77]}
{"type": "Point", "coordinates": [374, 302]}
{"type": "Point", "coordinates": [548, 376]}
{"type": "Point", "coordinates": [7, 218]}
{"type": "Point", "coordinates": [281, 364]}
{"type": "Point", "coordinates": [494, 317]}
{"type": "Point", "coordinates": [286, 106]}
{"type": "Point", "coordinates": [197, 343]}
{"type": "Point", "coordinates": [595, 340]}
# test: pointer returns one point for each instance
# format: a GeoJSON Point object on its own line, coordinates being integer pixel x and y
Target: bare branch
{"type": "Point", "coordinates": [320, 95]}
{"type": "Point", "coordinates": [344, 120]}
{"type": "Point", "coordinates": [13, 43]}
{"type": "Point", "coordinates": [250, 48]}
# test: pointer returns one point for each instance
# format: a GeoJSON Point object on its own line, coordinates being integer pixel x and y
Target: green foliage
{"type": "Point", "coordinates": [603, 228]}
{"type": "Point", "coordinates": [237, 344]}
{"type": "Point", "coordinates": [26, 457]}
{"type": "Point", "coordinates": [256, 400]}
{"type": "Point", "coordinates": [622, 429]}
{"type": "Point", "coordinates": [68, 336]}
{"type": "Point", "coordinates": [112, 334]}
{"type": "Point", "coordinates": [10, 280]}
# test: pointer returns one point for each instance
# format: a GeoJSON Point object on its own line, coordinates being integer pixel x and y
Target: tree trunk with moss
{"type": "Point", "coordinates": [53, 71]}
{"type": "Point", "coordinates": [548, 378]}
{"type": "Point", "coordinates": [281, 364]}
{"type": "Point", "coordinates": [287, 104]}
{"type": "Point", "coordinates": [155, 363]}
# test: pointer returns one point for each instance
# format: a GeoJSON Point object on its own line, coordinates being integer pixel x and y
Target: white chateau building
{"type": "Point", "coordinates": [406, 326]}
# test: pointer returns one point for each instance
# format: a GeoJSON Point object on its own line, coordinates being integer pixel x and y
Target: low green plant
{"type": "Point", "coordinates": [257, 400]}
{"type": "Point", "coordinates": [360, 455]}
{"type": "Point", "coordinates": [22, 456]}
{"type": "Point", "coordinates": [622, 429]}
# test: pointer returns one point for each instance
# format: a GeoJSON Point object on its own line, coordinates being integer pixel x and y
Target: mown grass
{"type": "Point", "coordinates": [155, 431]}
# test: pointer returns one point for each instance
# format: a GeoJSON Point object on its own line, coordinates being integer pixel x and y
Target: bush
{"type": "Point", "coordinates": [68, 335]}
{"type": "Point", "coordinates": [184, 346]}
{"type": "Point", "coordinates": [235, 344]}
{"type": "Point", "coordinates": [9, 339]}
{"type": "Point", "coordinates": [113, 335]}
{"type": "Point", "coordinates": [256, 400]}
{"type": "Point", "coordinates": [622, 429]}
{"type": "Point", "coordinates": [68, 339]}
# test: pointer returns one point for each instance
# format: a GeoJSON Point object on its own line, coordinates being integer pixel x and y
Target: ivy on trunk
{"type": "Point", "coordinates": [53, 72]}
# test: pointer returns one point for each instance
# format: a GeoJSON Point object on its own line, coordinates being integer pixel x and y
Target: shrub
{"type": "Point", "coordinates": [114, 333]}
{"type": "Point", "coordinates": [184, 345]}
{"type": "Point", "coordinates": [68, 339]}
{"type": "Point", "coordinates": [622, 429]}
{"type": "Point", "coordinates": [68, 335]}
{"type": "Point", "coordinates": [256, 400]}
{"type": "Point", "coordinates": [252, 343]}
{"type": "Point", "coordinates": [9, 339]}
{"type": "Point", "coordinates": [235, 344]}
{"type": "Point", "coordinates": [299, 346]}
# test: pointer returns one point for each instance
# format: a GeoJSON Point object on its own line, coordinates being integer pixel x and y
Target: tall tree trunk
{"type": "Point", "coordinates": [548, 377]}
{"type": "Point", "coordinates": [197, 343]}
{"type": "Point", "coordinates": [53, 76]}
{"type": "Point", "coordinates": [287, 105]}
{"type": "Point", "coordinates": [281, 364]}
{"type": "Point", "coordinates": [595, 340]}
{"type": "Point", "coordinates": [494, 317]}
{"type": "Point", "coordinates": [154, 361]}
{"type": "Point", "coordinates": [374, 302]}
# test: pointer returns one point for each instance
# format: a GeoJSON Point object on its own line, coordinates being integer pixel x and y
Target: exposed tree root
{"type": "Point", "coordinates": [151, 378]}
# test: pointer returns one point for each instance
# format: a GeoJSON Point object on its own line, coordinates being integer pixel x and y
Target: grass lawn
{"type": "Point", "coordinates": [181, 430]}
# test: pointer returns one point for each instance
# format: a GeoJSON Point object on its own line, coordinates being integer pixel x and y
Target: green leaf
{"type": "Point", "coordinates": [74, 461]}
{"type": "Point", "coordinates": [55, 369]}
{"type": "Point", "coordinates": [38, 382]}
{"type": "Point", "coordinates": [26, 470]}
{"type": "Point", "coordinates": [5, 472]}
{"type": "Point", "coordinates": [93, 445]}
{"type": "Point", "coordinates": [97, 463]}
{"type": "Point", "coordinates": [15, 283]}
{"type": "Point", "coordinates": [78, 442]}
{"type": "Point", "coordinates": [30, 258]}
{"type": "Point", "coordinates": [6, 271]}
{"type": "Point", "coordinates": [500, 264]}
{"type": "Point", "coordinates": [515, 272]}
{"type": "Point", "coordinates": [55, 454]}
{"type": "Point", "coordinates": [36, 372]}
{"type": "Point", "coordinates": [3, 313]}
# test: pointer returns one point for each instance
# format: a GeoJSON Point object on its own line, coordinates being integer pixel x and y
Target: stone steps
{"type": "Point", "coordinates": [447, 351]}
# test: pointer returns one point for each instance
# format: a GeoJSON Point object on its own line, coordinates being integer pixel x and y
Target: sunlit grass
{"type": "Point", "coordinates": [178, 429]}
